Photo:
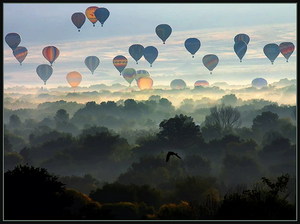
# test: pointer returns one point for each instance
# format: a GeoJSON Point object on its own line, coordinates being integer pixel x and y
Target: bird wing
{"type": "Point", "coordinates": [177, 155]}
{"type": "Point", "coordinates": [168, 156]}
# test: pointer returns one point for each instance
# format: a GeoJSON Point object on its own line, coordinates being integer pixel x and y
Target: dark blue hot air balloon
{"type": "Point", "coordinates": [92, 63]}
{"type": "Point", "coordinates": [163, 31]}
{"type": "Point", "coordinates": [240, 48]}
{"type": "Point", "coordinates": [210, 61]}
{"type": "Point", "coordinates": [242, 37]}
{"type": "Point", "coordinates": [102, 14]}
{"type": "Point", "coordinates": [150, 54]}
{"type": "Point", "coordinates": [192, 45]}
{"type": "Point", "coordinates": [136, 51]}
{"type": "Point", "coordinates": [78, 19]}
{"type": "Point", "coordinates": [44, 71]}
{"type": "Point", "coordinates": [13, 40]}
{"type": "Point", "coordinates": [271, 51]}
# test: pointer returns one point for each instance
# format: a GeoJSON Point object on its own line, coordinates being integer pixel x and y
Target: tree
{"type": "Point", "coordinates": [264, 122]}
{"type": "Point", "coordinates": [180, 131]}
{"type": "Point", "coordinates": [61, 116]}
{"type": "Point", "coordinates": [225, 117]}
{"type": "Point", "coordinates": [14, 121]}
{"type": "Point", "coordinates": [32, 193]}
{"type": "Point", "coordinates": [230, 99]}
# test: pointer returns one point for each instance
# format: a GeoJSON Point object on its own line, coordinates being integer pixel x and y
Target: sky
{"type": "Point", "coordinates": [215, 25]}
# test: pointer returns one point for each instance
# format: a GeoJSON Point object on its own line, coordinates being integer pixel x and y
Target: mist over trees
{"type": "Point", "coordinates": [109, 158]}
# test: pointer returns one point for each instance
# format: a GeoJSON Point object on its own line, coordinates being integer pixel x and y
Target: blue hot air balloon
{"type": "Point", "coordinates": [150, 54]}
{"type": "Point", "coordinates": [271, 51]}
{"type": "Point", "coordinates": [192, 45]}
{"type": "Point", "coordinates": [13, 40]}
{"type": "Point", "coordinates": [136, 51]}
{"type": "Point", "coordinates": [78, 19]}
{"type": "Point", "coordinates": [92, 63]}
{"type": "Point", "coordinates": [286, 49]}
{"type": "Point", "coordinates": [259, 82]}
{"type": "Point", "coordinates": [242, 37]}
{"type": "Point", "coordinates": [163, 31]}
{"type": "Point", "coordinates": [240, 48]}
{"type": "Point", "coordinates": [210, 61]}
{"type": "Point", "coordinates": [102, 14]}
{"type": "Point", "coordinates": [129, 75]}
{"type": "Point", "coordinates": [178, 84]}
{"type": "Point", "coordinates": [44, 71]}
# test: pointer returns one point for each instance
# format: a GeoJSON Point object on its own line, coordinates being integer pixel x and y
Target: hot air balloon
{"type": "Point", "coordinates": [50, 53]}
{"type": "Point", "coordinates": [178, 84]}
{"type": "Point", "coordinates": [286, 49]}
{"type": "Point", "coordinates": [92, 63]}
{"type": "Point", "coordinates": [20, 53]}
{"type": "Point", "coordinates": [201, 83]}
{"type": "Point", "coordinates": [129, 74]}
{"type": "Point", "coordinates": [90, 14]}
{"type": "Point", "coordinates": [259, 82]}
{"type": "Point", "coordinates": [240, 48]}
{"type": "Point", "coordinates": [74, 78]}
{"type": "Point", "coordinates": [150, 54]}
{"type": "Point", "coordinates": [136, 51]}
{"type": "Point", "coordinates": [13, 40]}
{"type": "Point", "coordinates": [78, 19]}
{"type": "Point", "coordinates": [145, 83]}
{"type": "Point", "coordinates": [102, 14]}
{"type": "Point", "coordinates": [192, 45]}
{"type": "Point", "coordinates": [44, 71]}
{"type": "Point", "coordinates": [140, 74]}
{"type": "Point", "coordinates": [271, 51]}
{"type": "Point", "coordinates": [163, 31]}
{"type": "Point", "coordinates": [120, 62]}
{"type": "Point", "coordinates": [242, 37]}
{"type": "Point", "coordinates": [210, 61]}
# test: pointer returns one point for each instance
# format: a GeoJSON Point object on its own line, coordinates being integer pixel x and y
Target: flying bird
{"type": "Point", "coordinates": [171, 154]}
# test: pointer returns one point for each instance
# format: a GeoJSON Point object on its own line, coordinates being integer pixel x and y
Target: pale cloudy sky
{"type": "Point", "coordinates": [215, 25]}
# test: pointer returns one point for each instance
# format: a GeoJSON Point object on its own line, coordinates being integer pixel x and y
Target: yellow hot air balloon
{"type": "Point", "coordinates": [90, 14]}
{"type": "Point", "coordinates": [74, 78]}
{"type": "Point", "coordinates": [145, 83]}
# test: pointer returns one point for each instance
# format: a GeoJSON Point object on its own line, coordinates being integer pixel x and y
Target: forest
{"type": "Point", "coordinates": [107, 160]}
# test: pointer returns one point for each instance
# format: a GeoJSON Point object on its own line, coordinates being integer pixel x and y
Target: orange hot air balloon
{"type": "Point", "coordinates": [50, 53]}
{"type": "Point", "coordinates": [90, 14]}
{"type": "Point", "coordinates": [145, 83]}
{"type": "Point", "coordinates": [74, 78]}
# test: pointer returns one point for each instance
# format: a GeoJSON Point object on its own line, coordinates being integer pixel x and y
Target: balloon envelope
{"type": "Point", "coordinates": [242, 37]}
{"type": "Point", "coordinates": [210, 61]}
{"type": "Point", "coordinates": [192, 45]}
{"type": "Point", "coordinates": [145, 83]}
{"type": "Point", "coordinates": [178, 84]}
{"type": "Point", "coordinates": [120, 62]}
{"type": "Point", "coordinates": [271, 51]}
{"type": "Point", "coordinates": [78, 19]}
{"type": "Point", "coordinates": [140, 74]}
{"type": "Point", "coordinates": [74, 78]}
{"type": "Point", "coordinates": [240, 48]}
{"type": "Point", "coordinates": [129, 74]}
{"type": "Point", "coordinates": [90, 14]}
{"type": "Point", "coordinates": [163, 31]}
{"type": "Point", "coordinates": [136, 51]}
{"type": "Point", "coordinates": [150, 54]}
{"type": "Point", "coordinates": [201, 83]}
{"type": "Point", "coordinates": [286, 49]}
{"type": "Point", "coordinates": [13, 40]}
{"type": "Point", "coordinates": [259, 82]}
{"type": "Point", "coordinates": [20, 53]}
{"type": "Point", "coordinates": [44, 71]}
{"type": "Point", "coordinates": [102, 14]}
{"type": "Point", "coordinates": [92, 63]}
{"type": "Point", "coordinates": [50, 53]}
